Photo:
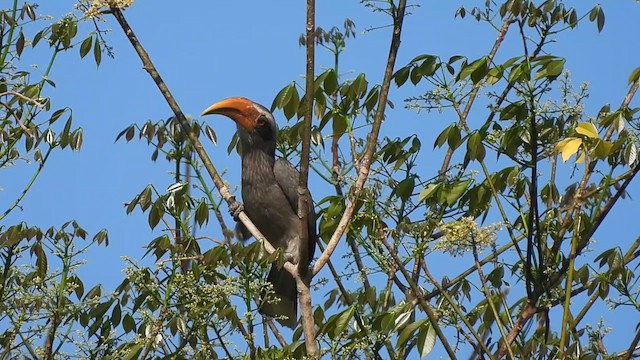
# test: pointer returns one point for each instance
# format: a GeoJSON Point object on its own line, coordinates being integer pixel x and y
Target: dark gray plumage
{"type": "Point", "coordinates": [270, 196]}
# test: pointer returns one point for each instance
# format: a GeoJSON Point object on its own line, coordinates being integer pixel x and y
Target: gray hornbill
{"type": "Point", "coordinates": [270, 196]}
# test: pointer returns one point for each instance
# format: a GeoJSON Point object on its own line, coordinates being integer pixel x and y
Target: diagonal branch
{"type": "Point", "coordinates": [197, 145]}
{"type": "Point", "coordinates": [184, 123]}
{"type": "Point", "coordinates": [372, 138]}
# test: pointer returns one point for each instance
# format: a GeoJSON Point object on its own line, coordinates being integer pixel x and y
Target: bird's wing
{"type": "Point", "coordinates": [287, 178]}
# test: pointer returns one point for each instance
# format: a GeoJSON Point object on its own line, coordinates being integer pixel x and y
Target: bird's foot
{"type": "Point", "coordinates": [292, 258]}
{"type": "Point", "coordinates": [235, 208]}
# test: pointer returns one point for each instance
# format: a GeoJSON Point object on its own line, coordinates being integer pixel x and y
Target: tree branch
{"type": "Point", "coordinates": [184, 123]}
{"type": "Point", "coordinates": [372, 138]}
{"type": "Point", "coordinates": [195, 142]}
{"type": "Point", "coordinates": [419, 298]}
{"type": "Point", "coordinates": [303, 281]}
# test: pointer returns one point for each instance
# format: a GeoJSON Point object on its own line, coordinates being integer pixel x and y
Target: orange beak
{"type": "Point", "coordinates": [238, 109]}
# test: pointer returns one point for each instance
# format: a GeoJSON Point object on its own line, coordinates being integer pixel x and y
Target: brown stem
{"type": "Point", "coordinates": [275, 332]}
{"type": "Point", "coordinates": [349, 301]}
{"type": "Point", "coordinates": [488, 296]}
{"type": "Point", "coordinates": [527, 313]}
{"type": "Point", "coordinates": [48, 345]}
{"type": "Point", "coordinates": [335, 167]}
{"type": "Point", "coordinates": [372, 138]}
{"type": "Point", "coordinates": [632, 346]}
{"type": "Point", "coordinates": [480, 348]}
{"type": "Point", "coordinates": [417, 296]}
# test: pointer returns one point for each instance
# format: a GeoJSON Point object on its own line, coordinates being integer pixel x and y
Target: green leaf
{"type": "Point", "coordinates": [515, 111]}
{"type": "Point", "coordinates": [156, 213]}
{"type": "Point", "coordinates": [600, 18]}
{"type": "Point", "coordinates": [283, 97]}
{"type": "Point", "coordinates": [475, 148]}
{"type": "Point", "coordinates": [593, 13]}
{"type": "Point", "coordinates": [455, 191]}
{"type": "Point", "coordinates": [291, 107]}
{"type": "Point", "coordinates": [85, 46]}
{"type": "Point", "coordinates": [202, 213]}
{"type": "Point", "coordinates": [494, 74]}
{"type": "Point", "coordinates": [428, 191]}
{"type": "Point", "coordinates": [415, 76]}
{"type": "Point", "coordinates": [401, 76]}
{"type": "Point", "coordinates": [635, 74]}
{"type": "Point", "coordinates": [429, 66]}
{"type": "Point", "coordinates": [442, 137]}
{"type": "Point", "coordinates": [426, 339]}
{"type": "Point", "coordinates": [20, 44]}
{"type": "Point", "coordinates": [211, 134]}
{"type": "Point", "coordinates": [133, 351]}
{"type": "Point", "coordinates": [97, 53]}
{"type": "Point", "coordinates": [102, 237]}
{"type": "Point", "coordinates": [116, 315]}
{"type": "Point", "coordinates": [407, 333]}
{"type": "Point", "coordinates": [550, 70]}
{"type": "Point", "coordinates": [519, 73]}
{"type": "Point", "coordinates": [454, 139]}
{"type": "Point", "coordinates": [630, 154]}
{"type": "Point", "coordinates": [479, 66]}
{"type": "Point", "coordinates": [339, 322]}
{"type": "Point", "coordinates": [94, 292]}
{"type": "Point", "coordinates": [359, 85]}
{"type": "Point", "coordinates": [339, 124]}
{"type": "Point", "coordinates": [572, 18]}
{"type": "Point", "coordinates": [320, 80]}
{"type": "Point", "coordinates": [404, 189]}
{"type": "Point", "coordinates": [602, 149]}
{"type": "Point", "coordinates": [41, 261]}
{"type": "Point", "coordinates": [372, 98]}
{"type": "Point", "coordinates": [64, 135]}
{"type": "Point", "coordinates": [331, 82]}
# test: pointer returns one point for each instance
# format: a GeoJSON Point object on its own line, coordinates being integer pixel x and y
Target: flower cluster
{"type": "Point", "coordinates": [95, 7]}
{"type": "Point", "coordinates": [463, 235]}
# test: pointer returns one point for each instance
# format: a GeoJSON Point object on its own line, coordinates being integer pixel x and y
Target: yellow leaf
{"type": "Point", "coordinates": [568, 147]}
{"type": "Point", "coordinates": [587, 129]}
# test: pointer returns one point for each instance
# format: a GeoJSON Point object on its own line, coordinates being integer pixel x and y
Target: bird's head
{"type": "Point", "coordinates": [256, 126]}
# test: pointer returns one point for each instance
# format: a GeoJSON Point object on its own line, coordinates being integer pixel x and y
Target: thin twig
{"type": "Point", "coordinates": [417, 296]}
{"type": "Point", "coordinates": [462, 121]}
{"type": "Point", "coordinates": [29, 100]}
{"type": "Point", "coordinates": [487, 295]}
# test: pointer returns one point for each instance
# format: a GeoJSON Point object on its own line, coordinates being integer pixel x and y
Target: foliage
{"type": "Point", "coordinates": [42, 298]}
{"type": "Point", "coordinates": [520, 135]}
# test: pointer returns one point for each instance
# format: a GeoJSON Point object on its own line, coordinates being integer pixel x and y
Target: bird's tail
{"type": "Point", "coordinates": [284, 308]}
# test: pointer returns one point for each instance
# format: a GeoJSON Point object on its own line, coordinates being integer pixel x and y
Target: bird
{"type": "Point", "coordinates": [270, 196]}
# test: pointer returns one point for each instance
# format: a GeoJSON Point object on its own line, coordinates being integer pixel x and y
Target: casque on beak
{"type": "Point", "coordinates": [239, 109]}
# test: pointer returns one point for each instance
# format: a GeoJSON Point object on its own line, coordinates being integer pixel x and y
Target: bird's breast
{"type": "Point", "coordinates": [270, 211]}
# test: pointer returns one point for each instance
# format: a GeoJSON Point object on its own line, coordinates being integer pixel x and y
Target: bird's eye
{"type": "Point", "coordinates": [261, 121]}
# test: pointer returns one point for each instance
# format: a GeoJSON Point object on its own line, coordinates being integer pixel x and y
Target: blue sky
{"type": "Point", "coordinates": [209, 50]}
